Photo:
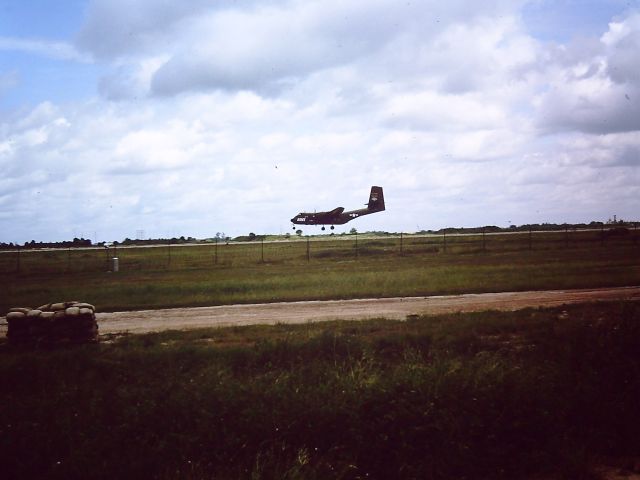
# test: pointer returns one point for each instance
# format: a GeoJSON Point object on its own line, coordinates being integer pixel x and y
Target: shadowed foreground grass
{"type": "Point", "coordinates": [486, 395]}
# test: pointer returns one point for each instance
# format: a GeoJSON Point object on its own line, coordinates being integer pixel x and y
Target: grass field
{"type": "Point", "coordinates": [519, 395]}
{"type": "Point", "coordinates": [335, 268]}
{"type": "Point", "coordinates": [530, 394]}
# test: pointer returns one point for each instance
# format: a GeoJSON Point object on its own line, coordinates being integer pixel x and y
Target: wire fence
{"type": "Point", "coordinates": [301, 249]}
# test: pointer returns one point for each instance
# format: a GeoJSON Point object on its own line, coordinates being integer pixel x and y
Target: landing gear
{"type": "Point", "coordinates": [332, 227]}
{"type": "Point", "coordinates": [322, 228]}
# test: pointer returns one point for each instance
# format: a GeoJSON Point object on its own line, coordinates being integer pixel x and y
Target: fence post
{"type": "Point", "coordinates": [530, 244]}
{"type": "Point", "coordinates": [262, 249]}
{"type": "Point", "coordinates": [566, 236]}
{"type": "Point", "coordinates": [356, 244]}
{"type": "Point", "coordinates": [401, 252]}
{"type": "Point", "coordinates": [169, 253]}
{"type": "Point", "coordinates": [308, 251]}
{"type": "Point", "coordinates": [215, 256]}
{"type": "Point", "coordinates": [69, 259]}
{"type": "Point", "coordinates": [444, 236]}
{"type": "Point", "coordinates": [18, 259]}
{"type": "Point", "coordinates": [484, 243]}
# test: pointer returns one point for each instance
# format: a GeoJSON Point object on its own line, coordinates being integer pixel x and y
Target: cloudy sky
{"type": "Point", "coordinates": [127, 117]}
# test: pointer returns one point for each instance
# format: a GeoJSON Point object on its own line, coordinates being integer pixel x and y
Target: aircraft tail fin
{"type": "Point", "coordinates": [376, 199]}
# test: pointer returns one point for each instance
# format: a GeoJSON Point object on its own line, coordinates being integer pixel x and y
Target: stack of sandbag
{"type": "Point", "coordinates": [53, 322]}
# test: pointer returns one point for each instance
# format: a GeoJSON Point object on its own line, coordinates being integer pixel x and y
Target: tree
{"type": "Point", "coordinates": [252, 236]}
{"type": "Point", "coordinates": [299, 233]}
{"type": "Point", "coordinates": [353, 231]}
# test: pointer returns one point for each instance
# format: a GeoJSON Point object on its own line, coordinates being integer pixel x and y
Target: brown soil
{"type": "Point", "coordinates": [317, 311]}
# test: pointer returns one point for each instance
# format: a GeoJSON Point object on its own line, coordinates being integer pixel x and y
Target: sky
{"type": "Point", "coordinates": [155, 119]}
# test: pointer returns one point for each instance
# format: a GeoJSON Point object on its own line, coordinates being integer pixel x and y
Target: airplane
{"type": "Point", "coordinates": [338, 216]}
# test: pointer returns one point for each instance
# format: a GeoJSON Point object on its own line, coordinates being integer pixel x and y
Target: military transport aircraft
{"type": "Point", "coordinates": [338, 216]}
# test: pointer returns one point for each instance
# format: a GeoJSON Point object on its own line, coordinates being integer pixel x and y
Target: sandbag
{"type": "Point", "coordinates": [73, 322]}
{"type": "Point", "coordinates": [24, 310]}
{"type": "Point", "coordinates": [85, 305]}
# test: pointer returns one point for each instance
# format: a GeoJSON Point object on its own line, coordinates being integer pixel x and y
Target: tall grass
{"type": "Point", "coordinates": [488, 395]}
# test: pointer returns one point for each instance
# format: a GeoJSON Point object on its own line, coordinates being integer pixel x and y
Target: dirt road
{"type": "Point", "coordinates": [317, 311]}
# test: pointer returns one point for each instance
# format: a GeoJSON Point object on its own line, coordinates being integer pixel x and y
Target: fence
{"type": "Point", "coordinates": [302, 249]}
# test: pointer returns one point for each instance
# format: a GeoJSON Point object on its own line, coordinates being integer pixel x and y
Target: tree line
{"type": "Point", "coordinates": [76, 242]}
{"type": "Point", "coordinates": [220, 236]}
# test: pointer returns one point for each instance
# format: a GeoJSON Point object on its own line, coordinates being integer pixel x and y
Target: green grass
{"type": "Point", "coordinates": [485, 395]}
{"type": "Point", "coordinates": [192, 278]}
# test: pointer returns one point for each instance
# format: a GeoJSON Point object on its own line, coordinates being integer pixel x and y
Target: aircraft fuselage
{"type": "Point", "coordinates": [338, 216]}
{"type": "Point", "coordinates": [328, 218]}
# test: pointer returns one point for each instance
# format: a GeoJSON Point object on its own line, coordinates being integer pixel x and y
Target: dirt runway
{"type": "Point", "coordinates": [143, 321]}
{"type": "Point", "coordinates": [317, 311]}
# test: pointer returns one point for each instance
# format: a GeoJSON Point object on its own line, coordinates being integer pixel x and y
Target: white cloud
{"type": "Point", "coordinates": [430, 110]}
{"type": "Point", "coordinates": [597, 151]}
{"type": "Point", "coordinates": [266, 45]}
{"type": "Point", "coordinates": [56, 50]}
{"type": "Point", "coordinates": [623, 44]}
{"type": "Point", "coordinates": [122, 28]}
{"type": "Point", "coordinates": [226, 116]}
{"type": "Point", "coordinates": [8, 80]}
{"type": "Point", "coordinates": [128, 81]}
{"type": "Point", "coordinates": [597, 91]}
